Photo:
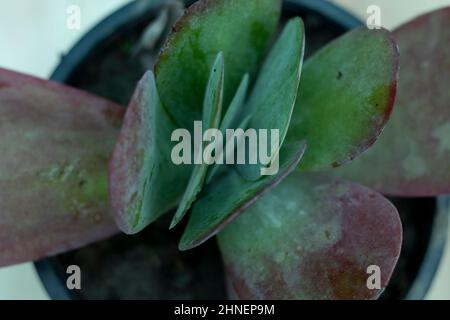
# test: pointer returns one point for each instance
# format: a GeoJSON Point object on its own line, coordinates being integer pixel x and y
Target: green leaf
{"type": "Point", "coordinates": [412, 156]}
{"type": "Point", "coordinates": [231, 120]}
{"type": "Point", "coordinates": [230, 195]}
{"type": "Point", "coordinates": [346, 96]}
{"type": "Point", "coordinates": [55, 144]}
{"type": "Point", "coordinates": [241, 29]}
{"type": "Point", "coordinates": [220, 168]}
{"type": "Point", "coordinates": [212, 110]}
{"type": "Point", "coordinates": [312, 238]}
{"type": "Point", "coordinates": [144, 183]}
{"type": "Point", "coordinates": [235, 110]}
{"type": "Point", "coordinates": [273, 97]}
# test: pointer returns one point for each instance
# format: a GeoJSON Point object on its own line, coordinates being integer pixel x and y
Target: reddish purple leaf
{"type": "Point", "coordinates": [55, 144]}
{"type": "Point", "coordinates": [312, 238]}
{"type": "Point", "coordinates": [412, 156]}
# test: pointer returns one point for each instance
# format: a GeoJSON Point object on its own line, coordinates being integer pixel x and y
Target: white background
{"type": "Point", "coordinates": [33, 35]}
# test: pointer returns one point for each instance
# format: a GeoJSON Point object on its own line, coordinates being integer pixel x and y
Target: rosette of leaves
{"type": "Point", "coordinates": [218, 67]}
{"type": "Point", "coordinates": [297, 234]}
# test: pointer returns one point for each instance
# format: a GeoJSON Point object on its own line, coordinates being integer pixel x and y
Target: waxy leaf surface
{"type": "Point", "coordinates": [412, 156]}
{"type": "Point", "coordinates": [346, 96]}
{"type": "Point", "coordinates": [212, 111]}
{"type": "Point", "coordinates": [229, 195]}
{"type": "Point", "coordinates": [231, 120]}
{"type": "Point", "coordinates": [55, 144]}
{"type": "Point", "coordinates": [234, 112]}
{"type": "Point", "coordinates": [241, 29]}
{"type": "Point", "coordinates": [144, 183]}
{"type": "Point", "coordinates": [312, 238]}
{"type": "Point", "coordinates": [273, 97]}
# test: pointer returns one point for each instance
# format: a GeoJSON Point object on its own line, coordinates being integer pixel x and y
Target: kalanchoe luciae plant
{"type": "Point", "coordinates": [311, 236]}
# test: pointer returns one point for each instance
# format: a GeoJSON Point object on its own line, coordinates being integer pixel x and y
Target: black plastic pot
{"type": "Point", "coordinates": [427, 219]}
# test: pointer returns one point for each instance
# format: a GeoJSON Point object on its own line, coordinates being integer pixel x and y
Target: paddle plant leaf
{"type": "Point", "coordinates": [241, 29]}
{"type": "Point", "coordinates": [346, 96]}
{"type": "Point", "coordinates": [230, 195]}
{"type": "Point", "coordinates": [144, 182]}
{"type": "Point", "coordinates": [273, 97]}
{"type": "Point", "coordinates": [212, 110]}
{"type": "Point", "coordinates": [312, 237]}
{"type": "Point", "coordinates": [412, 156]}
{"type": "Point", "coordinates": [55, 144]}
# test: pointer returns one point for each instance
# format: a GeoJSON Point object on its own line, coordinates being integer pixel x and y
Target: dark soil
{"type": "Point", "coordinates": [148, 265]}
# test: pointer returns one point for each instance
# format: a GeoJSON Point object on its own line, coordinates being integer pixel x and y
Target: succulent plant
{"type": "Point", "coordinates": [301, 233]}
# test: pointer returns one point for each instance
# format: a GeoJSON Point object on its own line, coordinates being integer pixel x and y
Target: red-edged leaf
{"type": "Point", "coordinates": [346, 96]}
{"type": "Point", "coordinates": [412, 156]}
{"type": "Point", "coordinates": [55, 144]}
{"type": "Point", "coordinates": [144, 183]}
{"type": "Point", "coordinates": [312, 238]}
{"type": "Point", "coordinates": [241, 29]}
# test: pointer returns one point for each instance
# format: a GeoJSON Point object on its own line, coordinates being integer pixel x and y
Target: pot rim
{"type": "Point", "coordinates": [435, 250]}
{"type": "Point", "coordinates": [134, 11]}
